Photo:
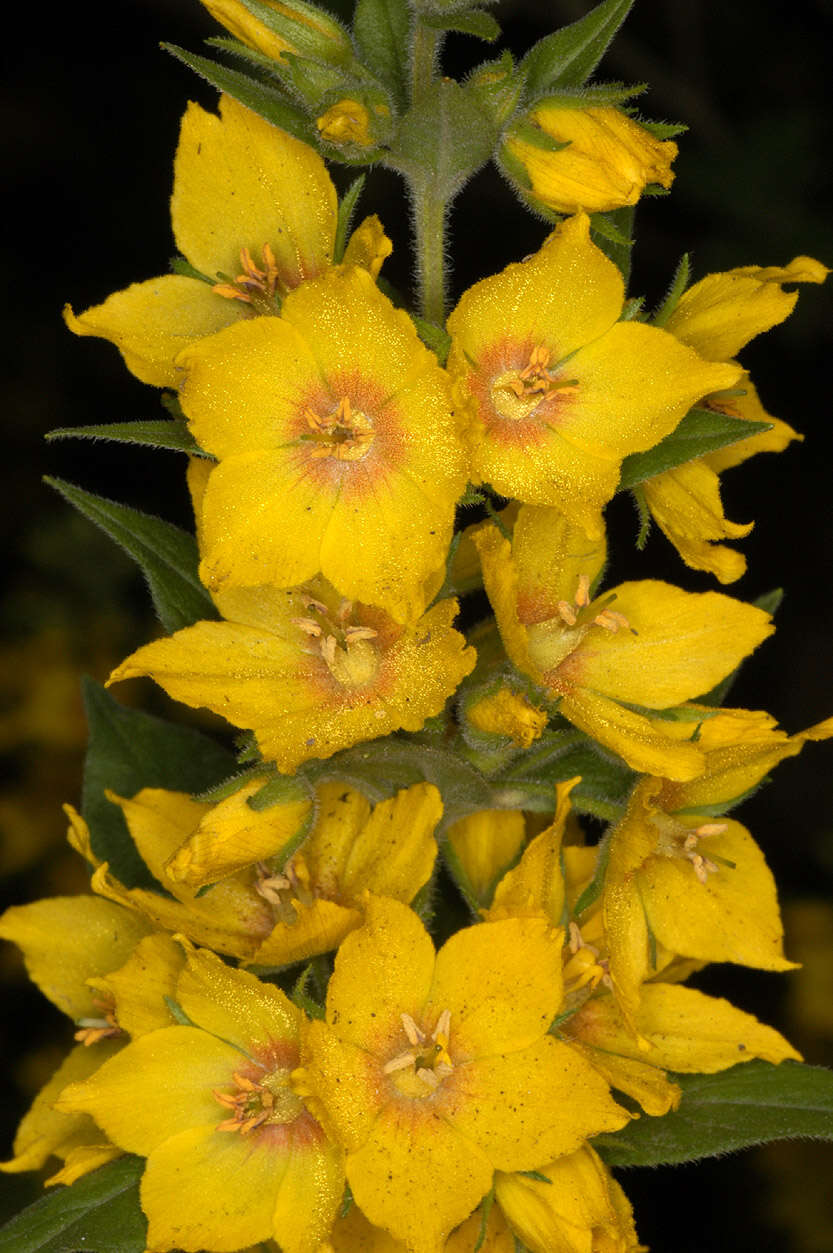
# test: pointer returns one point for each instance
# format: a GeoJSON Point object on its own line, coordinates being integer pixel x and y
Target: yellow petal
{"type": "Point", "coordinates": [722, 312]}
{"type": "Point", "coordinates": [80, 1161]}
{"type": "Point", "coordinates": [749, 408]}
{"type": "Point", "coordinates": [310, 1195]}
{"type": "Point", "coordinates": [485, 843]}
{"type": "Point", "coordinates": [685, 504]}
{"type": "Point", "coordinates": [498, 1006]}
{"type": "Point", "coordinates": [536, 884]}
{"type": "Point", "coordinates": [500, 579]}
{"type": "Point", "coordinates": [347, 1089]}
{"type": "Point", "coordinates": [150, 323]}
{"type": "Point", "coordinates": [368, 246]}
{"type": "Point", "coordinates": [393, 855]}
{"type": "Point", "coordinates": [551, 555]}
{"type": "Point", "coordinates": [159, 820]}
{"type": "Point", "coordinates": [140, 986]}
{"type": "Point", "coordinates": [640, 742]}
{"type": "Point", "coordinates": [316, 928]}
{"type": "Point", "coordinates": [67, 940]}
{"type": "Point", "coordinates": [644, 1082]}
{"type": "Point", "coordinates": [235, 1006]}
{"type": "Point", "coordinates": [241, 183]}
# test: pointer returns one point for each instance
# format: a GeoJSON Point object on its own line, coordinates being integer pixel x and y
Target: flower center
{"type": "Point", "coordinates": [346, 647]}
{"type": "Point", "coordinates": [584, 969]}
{"type": "Point", "coordinates": [344, 433]}
{"type": "Point", "coordinates": [421, 1068]}
{"type": "Point", "coordinates": [282, 890]}
{"type": "Point", "coordinates": [679, 841]}
{"type": "Point", "coordinates": [553, 640]}
{"type": "Point", "coordinates": [254, 1103]}
{"type": "Point", "coordinates": [516, 394]}
{"type": "Point", "coordinates": [256, 286]}
{"type": "Point", "coordinates": [91, 1030]}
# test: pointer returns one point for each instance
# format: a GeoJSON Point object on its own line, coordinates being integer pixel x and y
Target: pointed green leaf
{"type": "Point", "coordinates": [568, 57]}
{"type": "Point", "coordinates": [100, 1212]}
{"type": "Point", "coordinates": [750, 1104]}
{"type": "Point", "coordinates": [679, 283]}
{"type": "Point", "coordinates": [167, 555]}
{"type": "Point", "coordinates": [382, 30]}
{"type": "Point", "coordinates": [701, 431]}
{"type": "Point", "coordinates": [129, 750]}
{"type": "Point", "coordinates": [613, 233]}
{"type": "Point", "coordinates": [468, 22]}
{"type": "Point", "coordinates": [346, 209]}
{"type": "Point", "coordinates": [262, 98]}
{"type": "Point", "coordinates": [157, 433]}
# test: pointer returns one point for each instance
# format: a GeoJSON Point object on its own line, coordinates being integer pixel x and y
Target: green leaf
{"type": "Point", "coordinates": [701, 431]}
{"type": "Point", "coordinates": [529, 783]}
{"type": "Point", "coordinates": [679, 283]}
{"type": "Point", "coordinates": [569, 56]}
{"type": "Point", "coordinates": [262, 98]}
{"type": "Point", "coordinates": [468, 22]}
{"type": "Point", "coordinates": [129, 750]}
{"type": "Point", "coordinates": [382, 29]}
{"type": "Point", "coordinates": [346, 209]}
{"type": "Point", "coordinates": [158, 433]}
{"type": "Point", "coordinates": [100, 1212]}
{"type": "Point", "coordinates": [444, 138]}
{"type": "Point", "coordinates": [750, 1104]}
{"type": "Point", "coordinates": [167, 555]}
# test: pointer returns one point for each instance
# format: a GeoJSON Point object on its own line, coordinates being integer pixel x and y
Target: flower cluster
{"type": "Point", "coordinates": [282, 1014]}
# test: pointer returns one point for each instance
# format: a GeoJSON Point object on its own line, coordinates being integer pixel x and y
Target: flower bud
{"type": "Point", "coordinates": [355, 125]}
{"type": "Point", "coordinates": [508, 713]}
{"type": "Point", "coordinates": [288, 26]}
{"type": "Point", "coordinates": [606, 163]}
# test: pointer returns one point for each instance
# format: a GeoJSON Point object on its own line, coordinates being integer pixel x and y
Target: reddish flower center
{"type": "Point", "coordinates": [517, 393]}
{"type": "Point", "coordinates": [254, 1103]}
{"type": "Point", "coordinates": [256, 285]}
{"type": "Point", "coordinates": [344, 433]}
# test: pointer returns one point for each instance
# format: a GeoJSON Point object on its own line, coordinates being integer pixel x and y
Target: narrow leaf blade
{"type": "Point", "coordinates": [700, 432]}
{"type": "Point", "coordinates": [101, 1212]}
{"type": "Point", "coordinates": [382, 30]}
{"type": "Point", "coordinates": [569, 56]}
{"type": "Point", "coordinates": [156, 433]}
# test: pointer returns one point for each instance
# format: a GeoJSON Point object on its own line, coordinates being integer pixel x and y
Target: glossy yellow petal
{"type": "Point", "coordinates": [538, 1103]}
{"type": "Point", "coordinates": [551, 556]}
{"type": "Point", "coordinates": [485, 843]}
{"type": "Point", "coordinates": [536, 884]}
{"type": "Point", "coordinates": [151, 322]}
{"type": "Point", "coordinates": [346, 1087]}
{"type": "Point", "coordinates": [66, 940]}
{"type": "Point", "coordinates": [498, 1006]}
{"type": "Point", "coordinates": [645, 1082]}
{"type": "Point", "coordinates": [140, 986]}
{"type": "Point", "coordinates": [310, 1195]}
{"type": "Point", "coordinates": [235, 1006]}
{"type": "Point", "coordinates": [156, 1087]}
{"type": "Point", "coordinates": [638, 741]}
{"type": "Point", "coordinates": [414, 1155]}
{"type": "Point", "coordinates": [352, 1233]}
{"type": "Point", "coordinates": [722, 312]}
{"type": "Point", "coordinates": [159, 820]}
{"type": "Point", "coordinates": [393, 855]}
{"type": "Point", "coordinates": [685, 504]}
{"type": "Point", "coordinates": [45, 1131]}
{"type": "Point", "coordinates": [500, 579]}
{"type": "Point", "coordinates": [240, 182]}
{"type": "Point", "coordinates": [316, 928]}
{"type": "Point", "coordinates": [232, 835]}
{"type": "Point", "coordinates": [680, 644]}
{"type": "Point", "coordinates": [368, 246]}
{"type": "Point", "coordinates": [685, 1030]}
{"type": "Point", "coordinates": [80, 1161]}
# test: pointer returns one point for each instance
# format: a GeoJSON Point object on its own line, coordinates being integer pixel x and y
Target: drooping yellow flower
{"type": "Point", "coordinates": [644, 643]}
{"type": "Point", "coordinates": [717, 317]}
{"type": "Point", "coordinates": [254, 211]}
{"type": "Point", "coordinates": [680, 874]}
{"type": "Point", "coordinates": [433, 1071]}
{"type": "Point", "coordinates": [318, 894]}
{"type": "Point", "coordinates": [333, 428]}
{"type": "Point", "coordinates": [578, 1207]}
{"type": "Point", "coordinates": [233, 1155]}
{"type": "Point", "coordinates": [555, 390]}
{"type": "Point", "coordinates": [607, 164]}
{"type": "Point", "coordinates": [308, 672]}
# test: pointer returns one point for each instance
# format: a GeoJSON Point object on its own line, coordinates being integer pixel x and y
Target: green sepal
{"type": "Point", "coordinates": [222, 791]}
{"type": "Point", "coordinates": [381, 29]}
{"type": "Point", "coordinates": [680, 281]}
{"type": "Point", "coordinates": [129, 750]}
{"type": "Point", "coordinates": [100, 1212]}
{"type": "Point", "coordinates": [301, 30]}
{"type": "Point", "coordinates": [700, 432]}
{"type": "Point", "coordinates": [167, 555]}
{"type": "Point", "coordinates": [569, 56]}
{"type": "Point", "coordinates": [486, 1208]}
{"type": "Point", "coordinates": [498, 86]}
{"type": "Point", "coordinates": [594, 888]}
{"type": "Point", "coordinates": [267, 101]}
{"type": "Point", "coordinates": [301, 997]}
{"type": "Point", "coordinates": [346, 209]}
{"type": "Point", "coordinates": [591, 96]}
{"type": "Point", "coordinates": [530, 132]}
{"type": "Point", "coordinates": [178, 1013]}
{"type": "Point", "coordinates": [663, 130]}
{"type": "Point", "coordinates": [444, 138]}
{"type": "Point", "coordinates": [613, 233]}
{"type": "Point", "coordinates": [183, 267]}
{"type": "Point", "coordinates": [467, 22]}
{"type": "Point", "coordinates": [753, 1103]}
{"type": "Point", "coordinates": [155, 433]}
{"type": "Point", "coordinates": [281, 789]}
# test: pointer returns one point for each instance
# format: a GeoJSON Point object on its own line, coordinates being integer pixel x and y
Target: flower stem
{"type": "Point", "coordinates": [429, 208]}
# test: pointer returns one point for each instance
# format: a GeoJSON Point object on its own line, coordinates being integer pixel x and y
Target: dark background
{"type": "Point", "coordinates": [92, 109]}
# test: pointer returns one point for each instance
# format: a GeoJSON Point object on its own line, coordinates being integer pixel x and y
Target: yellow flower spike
{"type": "Point", "coordinates": [234, 1156]}
{"type": "Point", "coordinates": [485, 843]}
{"type": "Point", "coordinates": [535, 887]}
{"type": "Point", "coordinates": [308, 672]}
{"type": "Point", "coordinates": [434, 1072]}
{"type": "Point", "coordinates": [345, 461]}
{"type": "Point", "coordinates": [607, 164]}
{"type": "Point", "coordinates": [555, 390]}
{"type": "Point", "coordinates": [575, 1212]}
{"type": "Point", "coordinates": [644, 643]}
{"type": "Point", "coordinates": [251, 204]}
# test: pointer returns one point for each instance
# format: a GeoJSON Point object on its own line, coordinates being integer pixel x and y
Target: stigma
{"type": "Point", "coordinates": [426, 1059]}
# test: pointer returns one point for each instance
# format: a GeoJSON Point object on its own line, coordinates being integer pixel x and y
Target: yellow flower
{"type": "Point", "coordinates": [608, 161]}
{"type": "Point", "coordinates": [717, 317]}
{"type": "Point", "coordinates": [578, 1207]}
{"type": "Point", "coordinates": [253, 210]}
{"type": "Point", "coordinates": [233, 1155]}
{"type": "Point", "coordinates": [555, 390]}
{"type": "Point", "coordinates": [694, 881]}
{"type": "Point", "coordinates": [483, 844]}
{"type": "Point", "coordinates": [344, 460]}
{"type": "Point", "coordinates": [307, 30]}
{"type": "Point", "coordinates": [318, 894]}
{"type": "Point", "coordinates": [433, 1072]}
{"type": "Point", "coordinates": [307, 672]}
{"type": "Point", "coordinates": [644, 643]}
